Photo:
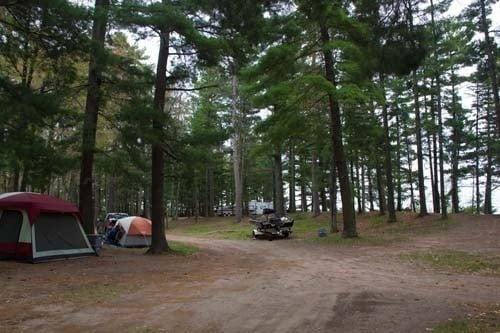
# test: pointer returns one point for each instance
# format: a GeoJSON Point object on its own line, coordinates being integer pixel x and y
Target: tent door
{"type": "Point", "coordinates": [11, 222]}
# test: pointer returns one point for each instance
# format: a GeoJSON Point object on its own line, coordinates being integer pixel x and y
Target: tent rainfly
{"type": "Point", "coordinates": [37, 227]}
{"type": "Point", "coordinates": [136, 231]}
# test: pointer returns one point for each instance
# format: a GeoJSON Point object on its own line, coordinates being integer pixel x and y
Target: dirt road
{"type": "Point", "coordinates": [251, 286]}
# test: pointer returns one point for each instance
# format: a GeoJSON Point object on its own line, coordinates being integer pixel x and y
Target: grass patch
{"type": "Point", "coordinates": [220, 228]}
{"type": "Point", "coordinates": [182, 248]}
{"type": "Point", "coordinates": [486, 321]}
{"type": "Point", "coordinates": [92, 293]}
{"type": "Point", "coordinates": [457, 261]}
{"type": "Point", "coordinates": [372, 227]}
{"type": "Point", "coordinates": [337, 239]}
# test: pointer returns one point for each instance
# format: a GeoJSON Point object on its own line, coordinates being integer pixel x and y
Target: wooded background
{"type": "Point", "coordinates": [316, 105]}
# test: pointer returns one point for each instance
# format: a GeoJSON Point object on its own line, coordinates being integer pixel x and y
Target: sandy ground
{"type": "Point", "coordinates": [251, 286]}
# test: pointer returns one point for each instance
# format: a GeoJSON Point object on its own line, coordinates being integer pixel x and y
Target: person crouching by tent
{"type": "Point", "coordinates": [115, 234]}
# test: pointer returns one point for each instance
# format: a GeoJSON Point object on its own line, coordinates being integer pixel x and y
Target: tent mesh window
{"type": "Point", "coordinates": [58, 232]}
{"type": "Point", "coordinates": [10, 226]}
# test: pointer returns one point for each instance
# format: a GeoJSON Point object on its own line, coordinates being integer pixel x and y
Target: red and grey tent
{"type": "Point", "coordinates": [39, 227]}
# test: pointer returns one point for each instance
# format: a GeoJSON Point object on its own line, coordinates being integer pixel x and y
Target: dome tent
{"type": "Point", "coordinates": [136, 231]}
{"type": "Point", "coordinates": [39, 227]}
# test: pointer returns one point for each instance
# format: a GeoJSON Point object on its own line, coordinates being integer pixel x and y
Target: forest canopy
{"type": "Point", "coordinates": [315, 105]}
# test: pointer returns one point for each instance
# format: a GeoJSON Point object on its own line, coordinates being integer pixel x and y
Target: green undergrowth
{"type": "Point", "coordinates": [456, 261]}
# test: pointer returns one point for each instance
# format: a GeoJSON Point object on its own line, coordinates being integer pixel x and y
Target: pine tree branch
{"type": "Point", "coordinates": [193, 89]}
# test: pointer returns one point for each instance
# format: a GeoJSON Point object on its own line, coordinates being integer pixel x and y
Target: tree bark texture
{"type": "Point", "coordinates": [96, 65]}
{"type": "Point", "coordinates": [349, 217]}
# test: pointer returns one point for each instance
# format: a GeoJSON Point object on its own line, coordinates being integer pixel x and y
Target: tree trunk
{"type": "Point", "coordinates": [370, 189]}
{"type": "Point", "coordinates": [196, 200]}
{"type": "Point", "coordinates": [455, 147]}
{"type": "Point", "coordinates": [476, 157]}
{"type": "Point", "coordinates": [488, 209]}
{"type": "Point", "coordinates": [303, 194]}
{"type": "Point", "coordinates": [444, 210]}
{"type": "Point", "coordinates": [363, 191]}
{"type": "Point", "coordinates": [145, 202]}
{"type": "Point", "coordinates": [435, 189]}
{"type": "Point", "coordinates": [158, 240]}
{"type": "Point", "coordinates": [236, 145]}
{"type": "Point", "coordinates": [420, 155]}
{"type": "Point", "coordinates": [291, 170]}
{"type": "Point", "coordinates": [492, 70]}
{"type": "Point", "coordinates": [380, 188]}
{"type": "Point", "coordinates": [358, 187]}
{"type": "Point", "coordinates": [429, 154]}
{"type": "Point", "coordinates": [279, 204]}
{"type": "Point", "coordinates": [315, 183]}
{"type": "Point", "coordinates": [333, 196]}
{"type": "Point", "coordinates": [410, 174]}
{"type": "Point", "coordinates": [349, 217]}
{"type": "Point", "coordinates": [96, 65]}
{"type": "Point", "coordinates": [211, 191]}
{"type": "Point", "coordinates": [24, 179]}
{"type": "Point", "coordinates": [399, 206]}
{"type": "Point", "coordinates": [388, 159]}
{"type": "Point", "coordinates": [324, 202]}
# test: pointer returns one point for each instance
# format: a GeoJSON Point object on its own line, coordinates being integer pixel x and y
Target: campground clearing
{"type": "Point", "coordinates": [417, 275]}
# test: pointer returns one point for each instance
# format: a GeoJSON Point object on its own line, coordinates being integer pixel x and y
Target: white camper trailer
{"type": "Point", "coordinates": [257, 207]}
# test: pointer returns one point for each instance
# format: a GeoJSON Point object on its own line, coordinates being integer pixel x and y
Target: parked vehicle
{"type": "Point", "coordinates": [109, 222]}
{"type": "Point", "coordinates": [270, 227]}
{"type": "Point", "coordinates": [257, 207]}
{"type": "Point", "coordinates": [224, 211]}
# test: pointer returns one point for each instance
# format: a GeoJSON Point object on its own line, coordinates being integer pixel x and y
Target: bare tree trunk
{"type": "Point", "coordinates": [315, 183]}
{"type": "Point", "coordinates": [388, 159]}
{"type": "Point", "coordinates": [158, 240]}
{"type": "Point", "coordinates": [96, 64]}
{"type": "Point", "coordinates": [420, 155]}
{"type": "Point", "coordinates": [363, 191]}
{"type": "Point", "coordinates": [444, 210]}
{"type": "Point", "coordinates": [488, 209]}
{"type": "Point", "coordinates": [429, 156]}
{"type": "Point", "coordinates": [435, 184]}
{"type": "Point", "coordinates": [196, 200]}
{"type": "Point", "coordinates": [291, 169]}
{"type": "Point", "coordinates": [399, 205]}
{"type": "Point", "coordinates": [333, 196]}
{"type": "Point", "coordinates": [236, 145]}
{"type": "Point", "coordinates": [381, 189]}
{"type": "Point", "coordinates": [358, 187]}
{"type": "Point", "coordinates": [370, 189]}
{"type": "Point", "coordinates": [476, 157]}
{"type": "Point", "coordinates": [211, 191]}
{"type": "Point", "coordinates": [410, 175]}
{"type": "Point", "coordinates": [455, 147]}
{"type": "Point", "coordinates": [349, 217]}
{"type": "Point", "coordinates": [303, 195]}
{"type": "Point", "coordinates": [279, 204]}
{"type": "Point", "coordinates": [24, 179]}
{"type": "Point", "coordinates": [324, 203]}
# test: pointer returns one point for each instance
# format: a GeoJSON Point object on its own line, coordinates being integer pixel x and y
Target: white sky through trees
{"type": "Point", "coordinates": [150, 47]}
